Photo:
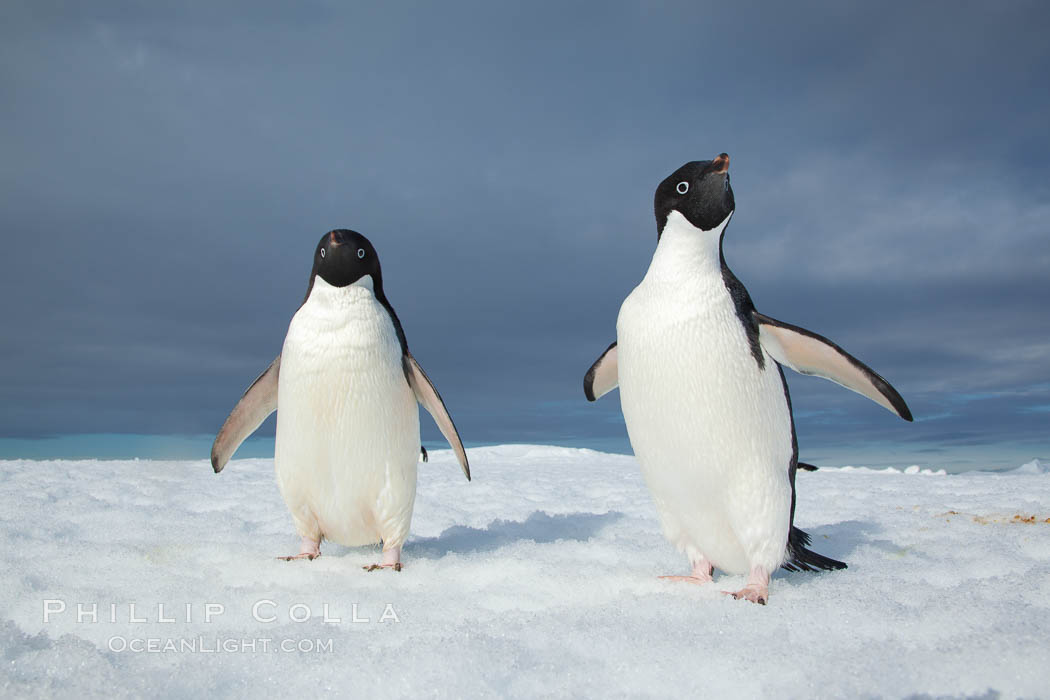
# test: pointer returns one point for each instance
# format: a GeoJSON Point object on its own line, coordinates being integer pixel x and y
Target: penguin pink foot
{"type": "Point", "coordinates": [757, 588]}
{"type": "Point", "coordinates": [391, 560]}
{"type": "Point", "coordinates": [309, 549]}
{"type": "Point", "coordinates": [702, 573]}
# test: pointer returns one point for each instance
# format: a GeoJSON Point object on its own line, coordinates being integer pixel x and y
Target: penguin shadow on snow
{"type": "Point", "coordinates": [856, 534]}
{"type": "Point", "coordinates": [539, 527]}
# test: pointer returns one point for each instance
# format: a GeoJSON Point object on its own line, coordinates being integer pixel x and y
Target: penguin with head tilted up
{"type": "Point", "coordinates": [345, 388]}
{"type": "Point", "coordinates": [704, 397]}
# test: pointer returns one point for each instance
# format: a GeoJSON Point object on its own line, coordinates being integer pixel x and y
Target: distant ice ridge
{"type": "Point", "coordinates": [539, 578]}
{"type": "Point", "coordinates": [913, 469]}
{"type": "Point", "coordinates": [1036, 466]}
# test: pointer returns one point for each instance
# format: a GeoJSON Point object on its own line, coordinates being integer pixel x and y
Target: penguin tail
{"type": "Point", "coordinates": [801, 558]}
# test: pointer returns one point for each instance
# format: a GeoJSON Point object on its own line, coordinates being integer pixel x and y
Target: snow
{"type": "Point", "coordinates": [538, 578]}
{"type": "Point", "coordinates": [1036, 466]}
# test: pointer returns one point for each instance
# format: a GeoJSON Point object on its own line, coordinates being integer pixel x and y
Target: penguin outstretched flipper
{"type": "Point", "coordinates": [602, 377]}
{"type": "Point", "coordinates": [809, 353]}
{"type": "Point", "coordinates": [257, 403]}
{"type": "Point", "coordinates": [430, 399]}
{"type": "Point", "coordinates": [801, 558]}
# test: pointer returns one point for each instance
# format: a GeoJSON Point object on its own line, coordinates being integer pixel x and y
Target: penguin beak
{"type": "Point", "coordinates": [721, 163]}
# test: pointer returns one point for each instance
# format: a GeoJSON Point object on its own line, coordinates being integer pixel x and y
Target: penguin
{"type": "Point", "coordinates": [345, 388]}
{"type": "Point", "coordinates": [704, 397]}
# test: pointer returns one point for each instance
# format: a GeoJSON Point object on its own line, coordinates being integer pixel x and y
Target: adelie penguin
{"type": "Point", "coordinates": [345, 388]}
{"type": "Point", "coordinates": [704, 397]}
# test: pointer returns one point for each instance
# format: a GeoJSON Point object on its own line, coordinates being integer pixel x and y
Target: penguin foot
{"type": "Point", "coordinates": [757, 588]}
{"type": "Point", "coordinates": [309, 549]}
{"type": "Point", "coordinates": [391, 560]}
{"type": "Point", "coordinates": [755, 594]}
{"type": "Point", "coordinates": [703, 571]}
{"type": "Point", "coordinates": [687, 579]}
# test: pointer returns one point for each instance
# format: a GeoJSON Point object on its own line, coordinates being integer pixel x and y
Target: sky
{"type": "Point", "coordinates": [167, 170]}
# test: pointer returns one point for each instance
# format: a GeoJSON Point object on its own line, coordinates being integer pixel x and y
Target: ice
{"type": "Point", "coordinates": [1036, 466]}
{"type": "Point", "coordinates": [537, 578]}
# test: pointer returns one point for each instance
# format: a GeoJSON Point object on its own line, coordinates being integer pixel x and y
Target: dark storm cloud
{"type": "Point", "coordinates": [167, 171]}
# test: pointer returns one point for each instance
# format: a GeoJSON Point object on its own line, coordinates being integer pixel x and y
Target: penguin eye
{"type": "Point", "coordinates": [322, 252]}
{"type": "Point", "coordinates": [726, 186]}
{"type": "Point", "coordinates": [683, 187]}
{"type": "Point", "coordinates": [360, 253]}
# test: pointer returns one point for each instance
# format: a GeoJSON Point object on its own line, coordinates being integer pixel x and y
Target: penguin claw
{"type": "Point", "coordinates": [309, 556]}
{"type": "Point", "coordinates": [375, 567]}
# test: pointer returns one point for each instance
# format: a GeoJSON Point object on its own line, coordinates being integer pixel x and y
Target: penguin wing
{"type": "Point", "coordinates": [809, 353]}
{"type": "Point", "coordinates": [429, 397]}
{"type": "Point", "coordinates": [258, 402]}
{"type": "Point", "coordinates": [603, 376]}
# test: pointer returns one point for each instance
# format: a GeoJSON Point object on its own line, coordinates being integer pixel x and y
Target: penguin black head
{"type": "Point", "coordinates": [699, 191]}
{"type": "Point", "coordinates": [343, 257]}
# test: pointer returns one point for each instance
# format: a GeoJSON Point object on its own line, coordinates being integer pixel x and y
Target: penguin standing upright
{"type": "Point", "coordinates": [345, 389]}
{"type": "Point", "coordinates": [704, 397]}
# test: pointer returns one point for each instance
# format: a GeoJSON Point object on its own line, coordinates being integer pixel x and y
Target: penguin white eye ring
{"type": "Point", "coordinates": [322, 252]}
{"type": "Point", "coordinates": [360, 252]}
{"type": "Point", "coordinates": [682, 188]}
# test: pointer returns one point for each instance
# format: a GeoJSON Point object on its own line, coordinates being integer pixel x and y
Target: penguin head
{"type": "Point", "coordinates": [344, 257]}
{"type": "Point", "coordinates": [699, 191]}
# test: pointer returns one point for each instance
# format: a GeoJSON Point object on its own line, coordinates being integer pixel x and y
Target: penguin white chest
{"type": "Point", "coordinates": [711, 428]}
{"type": "Point", "coordinates": [347, 421]}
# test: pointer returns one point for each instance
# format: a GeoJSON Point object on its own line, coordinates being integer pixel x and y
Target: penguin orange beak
{"type": "Point", "coordinates": [721, 163]}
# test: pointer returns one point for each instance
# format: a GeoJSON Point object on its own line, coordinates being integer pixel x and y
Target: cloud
{"type": "Point", "coordinates": [168, 170]}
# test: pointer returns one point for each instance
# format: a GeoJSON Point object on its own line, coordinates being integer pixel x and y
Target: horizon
{"type": "Point", "coordinates": [183, 448]}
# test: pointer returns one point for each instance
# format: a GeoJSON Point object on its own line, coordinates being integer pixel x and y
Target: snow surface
{"type": "Point", "coordinates": [538, 578]}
